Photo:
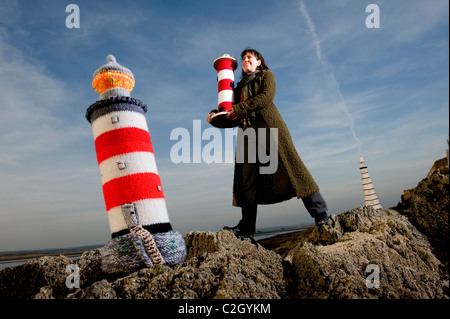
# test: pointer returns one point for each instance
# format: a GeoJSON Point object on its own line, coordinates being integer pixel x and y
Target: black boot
{"type": "Point", "coordinates": [247, 225]}
{"type": "Point", "coordinates": [321, 218]}
{"type": "Point", "coordinates": [239, 232]}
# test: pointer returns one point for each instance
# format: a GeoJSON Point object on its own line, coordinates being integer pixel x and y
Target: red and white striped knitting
{"type": "Point", "coordinates": [140, 228]}
{"type": "Point", "coordinates": [125, 153]}
{"type": "Point", "coordinates": [225, 66]}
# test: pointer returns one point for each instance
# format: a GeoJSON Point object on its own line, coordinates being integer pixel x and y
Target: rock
{"type": "Point", "coordinates": [427, 207]}
{"type": "Point", "coordinates": [219, 265]}
{"type": "Point", "coordinates": [359, 254]}
{"type": "Point", "coordinates": [337, 259]}
{"type": "Point", "coordinates": [99, 290]}
{"type": "Point", "coordinates": [282, 244]}
{"type": "Point", "coordinates": [90, 267]}
{"type": "Point", "coordinates": [43, 277]}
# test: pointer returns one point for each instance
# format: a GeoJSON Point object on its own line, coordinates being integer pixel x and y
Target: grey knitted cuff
{"type": "Point", "coordinates": [172, 247]}
{"type": "Point", "coordinates": [124, 254]}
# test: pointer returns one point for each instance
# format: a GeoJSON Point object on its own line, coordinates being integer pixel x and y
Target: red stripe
{"type": "Point", "coordinates": [225, 64]}
{"type": "Point", "coordinates": [131, 188]}
{"type": "Point", "coordinates": [225, 84]}
{"type": "Point", "coordinates": [225, 105]}
{"type": "Point", "coordinates": [122, 141]}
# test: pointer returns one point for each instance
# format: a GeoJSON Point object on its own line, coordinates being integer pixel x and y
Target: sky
{"type": "Point", "coordinates": [345, 90]}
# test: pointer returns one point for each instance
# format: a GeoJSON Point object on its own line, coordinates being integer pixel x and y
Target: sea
{"type": "Point", "coordinates": [68, 252]}
{"type": "Point", "coordinates": [261, 233]}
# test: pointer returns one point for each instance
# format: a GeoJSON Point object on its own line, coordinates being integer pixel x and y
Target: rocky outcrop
{"type": "Point", "coordinates": [218, 265]}
{"type": "Point", "coordinates": [38, 278]}
{"type": "Point", "coordinates": [369, 254]}
{"type": "Point", "coordinates": [361, 253]}
{"type": "Point", "coordinates": [427, 207]}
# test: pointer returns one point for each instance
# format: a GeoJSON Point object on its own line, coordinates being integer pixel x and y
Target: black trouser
{"type": "Point", "coordinates": [314, 204]}
{"type": "Point", "coordinates": [248, 197]}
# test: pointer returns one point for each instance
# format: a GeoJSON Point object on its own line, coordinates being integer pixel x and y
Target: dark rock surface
{"type": "Point", "coordinates": [428, 209]}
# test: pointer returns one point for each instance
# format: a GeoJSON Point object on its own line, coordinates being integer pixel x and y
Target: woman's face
{"type": "Point", "coordinates": [250, 63]}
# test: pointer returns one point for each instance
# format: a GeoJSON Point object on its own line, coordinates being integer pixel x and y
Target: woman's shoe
{"type": "Point", "coordinates": [321, 218]}
{"type": "Point", "coordinates": [238, 232]}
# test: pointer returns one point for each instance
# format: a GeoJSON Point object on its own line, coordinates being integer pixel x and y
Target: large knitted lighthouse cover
{"type": "Point", "coordinates": [132, 189]}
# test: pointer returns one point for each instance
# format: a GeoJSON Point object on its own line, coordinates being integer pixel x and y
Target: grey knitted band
{"type": "Point", "coordinates": [172, 247]}
{"type": "Point", "coordinates": [114, 92]}
{"type": "Point", "coordinates": [125, 254]}
{"type": "Point", "coordinates": [114, 104]}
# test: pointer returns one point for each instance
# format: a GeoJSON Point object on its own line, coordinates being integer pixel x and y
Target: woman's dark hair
{"type": "Point", "coordinates": [258, 56]}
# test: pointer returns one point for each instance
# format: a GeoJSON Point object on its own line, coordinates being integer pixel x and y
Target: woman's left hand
{"type": "Point", "coordinates": [231, 114]}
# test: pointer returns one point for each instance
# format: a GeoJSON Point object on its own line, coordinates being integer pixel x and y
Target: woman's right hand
{"type": "Point", "coordinates": [209, 117]}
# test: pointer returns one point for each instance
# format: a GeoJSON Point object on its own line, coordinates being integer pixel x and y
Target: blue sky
{"type": "Point", "coordinates": [344, 90]}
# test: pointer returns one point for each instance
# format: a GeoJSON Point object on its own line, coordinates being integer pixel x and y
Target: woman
{"type": "Point", "coordinates": [254, 108]}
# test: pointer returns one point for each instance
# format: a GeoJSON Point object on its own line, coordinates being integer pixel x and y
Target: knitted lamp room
{"type": "Point", "coordinates": [139, 223]}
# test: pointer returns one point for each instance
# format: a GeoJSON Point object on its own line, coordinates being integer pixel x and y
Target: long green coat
{"type": "Point", "coordinates": [292, 178]}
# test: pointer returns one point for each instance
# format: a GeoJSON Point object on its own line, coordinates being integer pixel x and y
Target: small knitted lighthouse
{"type": "Point", "coordinates": [370, 197]}
{"type": "Point", "coordinates": [225, 66]}
{"type": "Point", "coordinates": [134, 198]}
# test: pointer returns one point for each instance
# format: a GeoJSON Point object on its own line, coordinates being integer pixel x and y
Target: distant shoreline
{"type": "Point", "coordinates": [32, 255]}
{"type": "Point", "coordinates": [258, 232]}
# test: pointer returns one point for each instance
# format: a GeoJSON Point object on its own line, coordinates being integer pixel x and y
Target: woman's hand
{"type": "Point", "coordinates": [231, 114]}
{"type": "Point", "coordinates": [209, 117]}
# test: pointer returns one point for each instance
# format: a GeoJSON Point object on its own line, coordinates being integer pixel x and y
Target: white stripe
{"type": "Point", "coordinates": [149, 211]}
{"type": "Point", "coordinates": [105, 123]}
{"type": "Point", "coordinates": [136, 162]}
{"type": "Point", "coordinates": [226, 96]}
{"type": "Point", "coordinates": [225, 74]}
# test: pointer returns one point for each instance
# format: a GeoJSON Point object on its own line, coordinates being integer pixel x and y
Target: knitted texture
{"type": "Point", "coordinates": [112, 104]}
{"type": "Point", "coordinates": [140, 249]}
{"type": "Point", "coordinates": [124, 254]}
{"type": "Point", "coordinates": [225, 66]}
{"type": "Point", "coordinates": [132, 188]}
{"type": "Point", "coordinates": [127, 163]}
{"type": "Point", "coordinates": [149, 244]}
{"type": "Point", "coordinates": [112, 65]}
{"type": "Point", "coordinates": [113, 79]}
{"type": "Point", "coordinates": [172, 247]}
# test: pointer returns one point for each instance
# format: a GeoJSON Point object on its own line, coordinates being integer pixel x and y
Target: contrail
{"type": "Point", "coordinates": [312, 29]}
{"type": "Point", "coordinates": [327, 67]}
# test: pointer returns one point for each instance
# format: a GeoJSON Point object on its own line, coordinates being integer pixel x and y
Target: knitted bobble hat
{"type": "Point", "coordinates": [113, 79]}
